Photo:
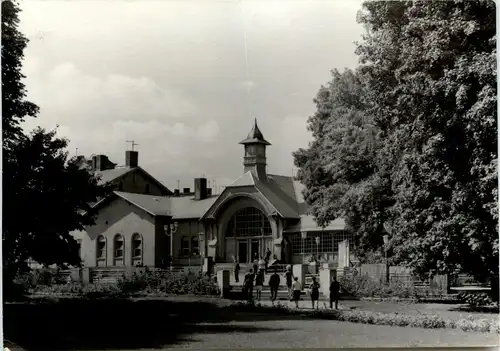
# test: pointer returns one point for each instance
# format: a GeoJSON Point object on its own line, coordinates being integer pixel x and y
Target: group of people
{"type": "Point", "coordinates": [256, 280]}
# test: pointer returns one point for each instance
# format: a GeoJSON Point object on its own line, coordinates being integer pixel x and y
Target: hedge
{"type": "Point", "coordinates": [469, 324]}
{"type": "Point", "coordinates": [150, 283]}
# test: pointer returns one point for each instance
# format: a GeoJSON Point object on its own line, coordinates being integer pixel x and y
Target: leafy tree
{"type": "Point", "coordinates": [14, 106]}
{"type": "Point", "coordinates": [45, 195]}
{"type": "Point", "coordinates": [430, 73]}
{"type": "Point", "coordinates": [340, 169]}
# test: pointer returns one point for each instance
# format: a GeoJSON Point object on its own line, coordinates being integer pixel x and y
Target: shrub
{"type": "Point", "coordinates": [475, 299]}
{"type": "Point", "coordinates": [364, 286]}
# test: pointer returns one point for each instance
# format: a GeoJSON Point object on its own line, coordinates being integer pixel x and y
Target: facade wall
{"type": "Point", "coordinates": [120, 217]}
{"type": "Point", "coordinates": [136, 182]}
{"type": "Point", "coordinates": [228, 247]}
{"type": "Point", "coordinates": [189, 252]}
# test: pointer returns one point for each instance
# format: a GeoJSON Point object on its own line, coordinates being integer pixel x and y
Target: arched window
{"type": "Point", "coordinates": [195, 246]}
{"type": "Point", "coordinates": [118, 246]}
{"type": "Point", "coordinates": [249, 221]}
{"type": "Point", "coordinates": [101, 247]}
{"type": "Point", "coordinates": [136, 246]}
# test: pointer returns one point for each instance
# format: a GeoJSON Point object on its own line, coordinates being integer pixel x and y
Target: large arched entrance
{"type": "Point", "coordinates": [250, 233]}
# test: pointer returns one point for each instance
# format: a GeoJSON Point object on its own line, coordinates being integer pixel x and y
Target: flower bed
{"type": "Point", "coordinates": [470, 324]}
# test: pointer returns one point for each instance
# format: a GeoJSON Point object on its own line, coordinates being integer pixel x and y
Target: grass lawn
{"type": "Point", "coordinates": [159, 323]}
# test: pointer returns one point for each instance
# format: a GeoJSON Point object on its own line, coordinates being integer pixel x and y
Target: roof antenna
{"type": "Point", "coordinates": [246, 60]}
{"type": "Point", "coordinates": [133, 143]}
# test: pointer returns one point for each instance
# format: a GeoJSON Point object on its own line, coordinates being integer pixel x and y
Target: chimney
{"type": "Point", "coordinates": [200, 188]}
{"type": "Point", "coordinates": [131, 158]}
{"type": "Point", "coordinates": [100, 162]}
{"type": "Point", "coordinates": [186, 190]}
{"type": "Point", "coordinates": [176, 193]}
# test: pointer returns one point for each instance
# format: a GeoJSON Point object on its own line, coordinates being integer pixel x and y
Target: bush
{"type": "Point", "coordinates": [365, 286]}
{"type": "Point", "coordinates": [475, 299]}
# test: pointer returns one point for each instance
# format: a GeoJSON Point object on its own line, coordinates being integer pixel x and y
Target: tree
{"type": "Point", "coordinates": [45, 195]}
{"type": "Point", "coordinates": [14, 106]}
{"type": "Point", "coordinates": [340, 169]}
{"type": "Point", "coordinates": [430, 73]}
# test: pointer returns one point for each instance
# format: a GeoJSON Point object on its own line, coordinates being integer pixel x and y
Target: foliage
{"type": "Point", "coordinates": [365, 286]}
{"type": "Point", "coordinates": [423, 156]}
{"type": "Point", "coordinates": [47, 195]}
{"type": "Point", "coordinates": [427, 321]}
{"type": "Point", "coordinates": [475, 299]}
{"type": "Point", "coordinates": [14, 106]}
{"type": "Point", "coordinates": [55, 193]}
{"type": "Point", "coordinates": [147, 282]}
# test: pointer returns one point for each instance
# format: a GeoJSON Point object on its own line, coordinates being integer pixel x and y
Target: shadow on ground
{"type": "Point", "coordinates": [120, 324]}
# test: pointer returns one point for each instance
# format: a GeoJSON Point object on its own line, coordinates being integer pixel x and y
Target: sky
{"type": "Point", "coordinates": [184, 79]}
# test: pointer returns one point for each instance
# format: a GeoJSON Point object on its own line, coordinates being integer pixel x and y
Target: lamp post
{"type": "Point", "coordinates": [386, 242]}
{"type": "Point", "coordinates": [317, 239]}
{"type": "Point", "coordinates": [303, 236]}
{"type": "Point", "coordinates": [201, 249]}
{"type": "Point", "coordinates": [170, 230]}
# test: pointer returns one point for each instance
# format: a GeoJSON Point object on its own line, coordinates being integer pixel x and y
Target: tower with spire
{"type": "Point", "coordinates": [255, 153]}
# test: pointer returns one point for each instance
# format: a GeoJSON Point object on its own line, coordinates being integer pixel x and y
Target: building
{"type": "Point", "coordinates": [256, 213]}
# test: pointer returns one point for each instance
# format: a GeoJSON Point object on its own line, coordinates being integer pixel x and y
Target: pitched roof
{"type": "Point", "coordinates": [308, 224]}
{"type": "Point", "coordinates": [281, 201]}
{"type": "Point", "coordinates": [185, 207]}
{"type": "Point", "coordinates": [255, 136]}
{"type": "Point", "coordinates": [155, 205]}
{"type": "Point", "coordinates": [245, 180]}
{"type": "Point", "coordinates": [109, 175]}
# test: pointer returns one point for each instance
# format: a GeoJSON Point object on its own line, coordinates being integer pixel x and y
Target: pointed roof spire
{"type": "Point", "coordinates": [255, 136]}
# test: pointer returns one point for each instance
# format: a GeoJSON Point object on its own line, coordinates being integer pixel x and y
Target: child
{"type": "Point", "coordinates": [314, 292]}
{"type": "Point", "coordinates": [297, 288]}
{"type": "Point", "coordinates": [289, 280]}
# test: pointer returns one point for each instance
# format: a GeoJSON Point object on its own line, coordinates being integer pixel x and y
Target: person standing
{"type": "Point", "coordinates": [262, 267]}
{"type": "Point", "coordinates": [248, 285]}
{"type": "Point", "coordinates": [259, 282]}
{"type": "Point", "coordinates": [268, 257]}
{"type": "Point", "coordinates": [289, 280]}
{"type": "Point", "coordinates": [237, 272]}
{"type": "Point", "coordinates": [274, 284]}
{"type": "Point", "coordinates": [297, 289]}
{"type": "Point", "coordinates": [334, 293]}
{"type": "Point", "coordinates": [314, 292]}
{"type": "Point", "coordinates": [256, 263]}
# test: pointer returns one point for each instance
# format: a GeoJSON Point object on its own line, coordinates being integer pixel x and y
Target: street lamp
{"type": "Point", "coordinates": [304, 236]}
{"type": "Point", "coordinates": [170, 230]}
{"type": "Point", "coordinates": [201, 249]}
{"type": "Point", "coordinates": [317, 249]}
{"type": "Point", "coordinates": [386, 243]}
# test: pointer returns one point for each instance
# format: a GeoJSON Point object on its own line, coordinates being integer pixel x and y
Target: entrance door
{"type": "Point", "coordinates": [243, 251]}
{"type": "Point", "coordinates": [255, 249]}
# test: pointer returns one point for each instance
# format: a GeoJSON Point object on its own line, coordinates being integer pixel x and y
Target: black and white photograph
{"type": "Point", "coordinates": [249, 174]}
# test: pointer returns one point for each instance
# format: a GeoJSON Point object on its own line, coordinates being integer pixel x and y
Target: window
{"type": "Point", "coordinates": [119, 245]}
{"type": "Point", "coordinates": [185, 246]}
{"type": "Point", "coordinates": [136, 246]}
{"type": "Point", "coordinates": [101, 247]}
{"type": "Point", "coordinates": [249, 221]}
{"type": "Point", "coordinates": [329, 242]}
{"type": "Point", "coordinates": [195, 246]}
{"type": "Point", "coordinates": [147, 190]}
